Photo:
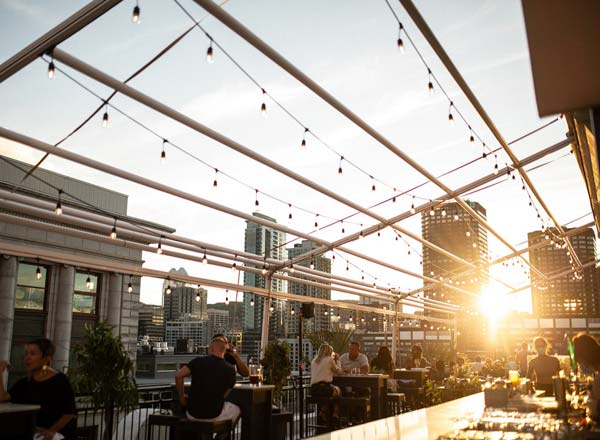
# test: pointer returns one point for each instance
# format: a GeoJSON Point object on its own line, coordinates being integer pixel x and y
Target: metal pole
{"type": "Point", "coordinates": [395, 334]}
{"type": "Point", "coordinates": [300, 374]}
{"type": "Point", "coordinates": [266, 316]}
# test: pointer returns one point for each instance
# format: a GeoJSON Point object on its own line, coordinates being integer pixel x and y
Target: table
{"type": "Point", "coordinates": [17, 420]}
{"type": "Point", "coordinates": [377, 383]}
{"type": "Point", "coordinates": [423, 424]}
{"type": "Point", "coordinates": [255, 403]}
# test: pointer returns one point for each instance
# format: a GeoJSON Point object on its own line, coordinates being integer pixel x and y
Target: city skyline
{"type": "Point", "coordinates": [371, 63]}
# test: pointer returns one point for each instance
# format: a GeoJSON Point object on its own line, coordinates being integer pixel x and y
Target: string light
{"type": "Point", "coordinates": [135, 18]}
{"type": "Point", "coordinates": [360, 235]}
{"type": "Point", "coordinates": [252, 302]}
{"type": "Point", "coordinates": [343, 228]}
{"type": "Point", "coordinates": [430, 84]}
{"type": "Point", "coordinates": [168, 289]}
{"type": "Point", "coordinates": [130, 284]}
{"type": "Point", "coordinates": [113, 232]}
{"type": "Point", "coordinates": [312, 264]}
{"type": "Point", "coordinates": [303, 143]}
{"type": "Point", "coordinates": [292, 268]}
{"type": "Point", "coordinates": [198, 296]}
{"type": "Point", "coordinates": [163, 153]}
{"type": "Point", "coordinates": [226, 297]}
{"type": "Point", "coordinates": [450, 116]}
{"type": "Point", "coordinates": [234, 264]}
{"type": "Point", "coordinates": [264, 269]}
{"type": "Point", "coordinates": [471, 137]}
{"type": "Point", "coordinates": [400, 43]}
{"type": "Point", "coordinates": [412, 206]}
{"type": "Point", "coordinates": [290, 211]}
{"type": "Point", "coordinates": [38, 271]}
{"type": "Point", "coordinates": [256, 203]}
{"type": "Point", "coordinates": [204, 259]}
{"type": "Point", "coordinates": [350, 318]}
{"type": "Point", "coordinates": [271, 307]}
{"type": "Point", "coordinates": [316, 222]}
{"type": "Point", "coordinates": [215, 183]}
{"type": "Point", "coordinates": [263, 106]}
{"type": "Point", "coordinates": [340, 171]}
{"type": "Point", "coordinates": [105, 117]}
{"type": "Point", "coordinates": [88, 283]}
{"type": "Point", "coordinates": [51, 69]}
{"type": "Point", "coordinates": [58, 209]}
{"type": "Point", "coordinates": [293, 311]}
{"type": "Point", "coordinates": [209, 53]}
{"type": "Point", "coordinates": [159, 247]}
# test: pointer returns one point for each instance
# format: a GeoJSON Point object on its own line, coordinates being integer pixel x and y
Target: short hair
{"type": "Point", "coordinates": [218, 345]}
{"type": "Point", "coordinates": [524, 346]}
{"type": "Point", "coordinates": [477, 358]}
{"type": "Point", "coordinates": [45, 345]}
{"type": "Point", "coordinates": [355, 343]}
{"type": "Point", "coordinates": [219, 336]}
{"type": "Point", "coordinates": [417, 348]}
{"type": "Point", "coordinates": [541, 340]}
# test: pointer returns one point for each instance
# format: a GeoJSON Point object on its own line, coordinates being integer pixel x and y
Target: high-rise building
{"type": "Point", "coordinates": [151, 322]}
{"type": "Point", "coordinates": [218, 321]}
{"type": "Point", "coordinates": [183, 300]}
{"type": "Point", "coordinates": [570, 296]}
{"type": "Point", "coordinates": [187, 328]}
{"type": "Point", "coordinates": [321, 320]}
{"type": "Point", "coordinates": [450, 227]}
{"type": "Point", "coordinates": [268, 243]}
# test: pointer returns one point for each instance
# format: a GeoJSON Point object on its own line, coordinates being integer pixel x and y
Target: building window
{"type": "Point", "coordinates": [31, 287]}
{"type": "Point", "coordinates": [85, 295]}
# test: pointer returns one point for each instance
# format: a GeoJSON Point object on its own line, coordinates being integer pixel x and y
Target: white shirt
{"type": "Point", "coordinates": [348, 364]}
{"type": "Point", "coordinates": [324, 370]}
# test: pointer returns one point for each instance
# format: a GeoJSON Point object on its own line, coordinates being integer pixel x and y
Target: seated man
{"type": "Point", "coordinates": [212, 379]}
{"type": "Point", "coordinates": [354, 359]}
{"type": "Point", "coordinates": [233, 357]}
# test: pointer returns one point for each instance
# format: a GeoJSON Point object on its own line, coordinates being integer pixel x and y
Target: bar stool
{"type": "Point", "coordinates": [193, 430]}
{"type": "Point", "coordinates": [395, 403]}
{"type": "Point", "coordinates": [355, 410]}
{"type": "Point", "coordinates": [327, 403]}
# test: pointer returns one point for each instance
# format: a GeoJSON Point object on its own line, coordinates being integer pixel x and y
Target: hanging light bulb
{"type": "Point", "coordinates": [256, 203]}
{"type": "Point", "coordinates": [264, 269]}
{"type": "Point", "coordinates": [215, 183]}
{"type": "Point", "coordinates": [226, 298]}
{"type": "Point", "coordinates": [316, 222]}
{"type": "Point", "coordinates": [412, 206]}
{"type": "Point", "coordinates": [450, 116]}
{"type": "Point", "coordinates": [303, 143]}
{"type": "Point", "coordinates": [209, 54]}
{"type": "Point", "coordinates": [350, 318]}
{"type": "Point", "coordinates": [431, 212]}
{"type": "Point", "coordinates": [343, 228]}
{"type": "Point", "coordinates": [51, 69]}
{"type": "Point", "coordinates": [198, 297]}
{"type": "Point", "coordinates": [204, 259]}
{"type": "Point", "coordinates": [496, 168]}
{"type": "Point", "coordinates": [340, 171]}
{"type": "Point", "coordinates": [159, 247]}
{"type": "Point", "coordinates": [263, 106]}
{"type": "Point", "coordinates": [38, 273]}
{"type": "Point", "coordinates": [312, 264]}
{"type": "Point", "coordinates": [271, 307]}
{"type": "Point", "coordinates": [168, 289]}
{"type": "Point", "coordinates": [105, 117]}
{"type": "Point", "coordinates": [58, 209]}
{"type": "Point", "coordinates": [252, 302]}
{"type": "Point", "coordinates": [130, 285]}
{"type": "Point", "coordinates": [88, 283]}
{"type": "Point", "coordinates": [293, 311]}
{"type": "Point", "coordinates": [400, 43]}
{"type": "Point", "coordinates": [292, 268]}
{"type": "Point", "coordinates": [430, 84]}
{"type": "Point", "coordinates": [471, 138]}
{"type": "Point", "coordinates": [290, 212]}
{"type": "Point", "coordinates": [163, 153]}
{"type": "Point", "coordinates": [113, 232]}
{"type": "Point", "coordinates": [135, 18]}
{"type": "Point", "coordinates": [443, 213]}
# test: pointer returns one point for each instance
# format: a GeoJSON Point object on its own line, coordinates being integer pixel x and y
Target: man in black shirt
{"type": "Point", "coordinates": [212, 379]}
{"type": "Point", "coordinates": [232, 357]}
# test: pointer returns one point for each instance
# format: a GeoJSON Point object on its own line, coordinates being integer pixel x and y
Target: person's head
{"type": "Point", "coordinates": [325, 350]}
{"type": "Point", "coordinates": [440, 365]}
{"type": "Point", "coordinates": [38, 354]}
{"type": "Point", "coordinates": [587, 351]}
{"type": "Point", "coordinates": [460, 362]}
{"type": "Point", "coordinates": [222, 337]}
{"type": "Point", "coordinates": [417, 351]}
{"type": "Point", "coordinates": [217, 347]}
{"type": "Point", "coordinates": [354, 349]}
{"type": "Point", "coordinates": [524, 346]}
{"type": "Point", "coordinates": [477, 358]}
{"type": "Point", "coordinates": [384, 353]}
{"type": "Point", "coordinates": [541, 345]}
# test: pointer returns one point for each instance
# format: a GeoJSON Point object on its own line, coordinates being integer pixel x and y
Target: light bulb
{"type": "Point", "coordinates": [312, 264]}
{"type": "Point", "coordinates": [168, 291]}
{"type": "Point", "coordinates": [198, 297]}
{"type": "Point", "coordinates": [159, 249]}
{"type": "Point", "coordinates": [292, 269]}
{"type": "Point", "coordinates": [264, 270]}
{"type": "Point", "coordinates": [226, 300]}
{"type": "Point", "coordinates": [472, 138]}
{"type": "Point", "coordinates": [51, 70]}
{"type": "Point", "coordinates": [88, 283]}
{"type": "Point", "coordinates": [450, 118]}
{"type": "Point", "coordinates": [430, 87]}
{"type": "Point", "coordinates": [252, 302]}
{"type": "Point", "coordinates": [209, 54]}
{"type": "Point", "coordinates": [263, 109]}
{"type": "Point", "coordinates": [113, 233]}
{"type": "Point", "coordinates": [130, 287]}
{"type": "Point", "coordinates": [38, 273]}
{"type": "Point", "coordinates": [350, 318]}
{"type": "Point", "coordinates": [443, 213]}
{"type": "Point", "coordinates": [204, 259]}
{"type": "Point", "coordinates": [360, 235]}
{"type": "Point", "coordinates": [293, 311]}
{"type": "Point", "coordinates": [136, 15]}
{"type": "Point", "coordinates": [303, 143]}
{"type": "Point", "coordinates": [431, 212]}
{"type": "Point", "coordinates": [105, 119]}
{"type": "Point", "coordinates": [400, 44]}
{"type": "Point", "coordinates": [412, 209]}
{"type": "Point", "coordinates": [234, 266]}
{"type": "Point", "coordinates": [58, 210]}
{"type": "Point", "coordinates": [271, 308]}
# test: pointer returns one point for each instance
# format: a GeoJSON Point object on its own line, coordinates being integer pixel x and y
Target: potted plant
{"type": "Point", "coordinates": [104, 372]}
{"type": "Point", "coordinates": [277, 366]}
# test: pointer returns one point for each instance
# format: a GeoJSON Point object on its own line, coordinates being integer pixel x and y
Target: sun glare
{"type": "Point", "coordinates": [493, 303]}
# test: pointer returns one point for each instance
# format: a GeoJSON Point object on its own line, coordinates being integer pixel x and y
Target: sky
{"type": "Point", "coordinates": [347, 47]}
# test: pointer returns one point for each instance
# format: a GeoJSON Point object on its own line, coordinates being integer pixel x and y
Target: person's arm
{"type": "Point", "coordinates": [58, 425]}
{"type": "Point", "coordinates": [335, 365]}
{"type": "Point", "coordinates": [4, 396]}
{"type": "Point", "coordinates": [179, 377]}
{"type": "Point", "coordinates": [242, 368]}
{"type": "Point", "coordinates": [344, 368]}
{"type": "Point", "coordinates": [530, 369]}
{"type": "Point", "coordinates": [364, 367]}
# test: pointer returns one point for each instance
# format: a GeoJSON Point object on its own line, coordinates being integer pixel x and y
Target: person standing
{"type": "Point", "coordinates": [354, 360]}
{"type": "Point", "coordinates": [543, 367]}
{"type": "Point", "coordinates": [212, 379]}
{"type": "Point", "coordinates": [45, 387]}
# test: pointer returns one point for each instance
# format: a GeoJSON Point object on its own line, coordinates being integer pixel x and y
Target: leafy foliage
{"type": "Point", "coordinates": [277, 365]}
{"type": "Point", "coordinates": [103, 369]}
{"type": "Point", "coordinates": [338, 338]}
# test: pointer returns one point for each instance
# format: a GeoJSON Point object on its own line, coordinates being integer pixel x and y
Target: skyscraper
{"type": "Point", "coordinates": [569, 296]}
{"type": "Point", "coordinates": [183, 300]}
{"type": "Point", "coordinates": [270, 244]}
{"type": "Point", "coordinates": [323, 314]}
{"type": "Point", "coordinates": [450, 227]}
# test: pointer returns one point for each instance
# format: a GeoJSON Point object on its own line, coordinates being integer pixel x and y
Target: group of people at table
{"type": "Point", "coordinates": [213, 377]}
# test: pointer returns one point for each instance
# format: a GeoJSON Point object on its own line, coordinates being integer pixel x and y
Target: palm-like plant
{"type": "Point", "coordinates": [338, 338]}
{"type": "Point", "coordinates": [105, 372]}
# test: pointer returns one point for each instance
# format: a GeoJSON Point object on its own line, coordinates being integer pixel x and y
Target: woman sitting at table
{"type": "Point", "coordinates": [322, 369]}
{"type": "Point", "coordinates": [543, 367]}
{"type": "Point", "coordinates": [383, 363]}
{"type": "Point", "coordinates": [45, 387]}
{"type": "Point", "coordinates": [587, 354]}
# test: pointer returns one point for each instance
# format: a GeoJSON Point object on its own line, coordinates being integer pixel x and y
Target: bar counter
{"type": "Point", "coordinates": [423, 424]}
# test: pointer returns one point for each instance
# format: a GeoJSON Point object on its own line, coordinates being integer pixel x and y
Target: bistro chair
{"type": "Point", "coordinates": [395, 403]}
{"type": "Point", "coordinates": [192, 430]}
